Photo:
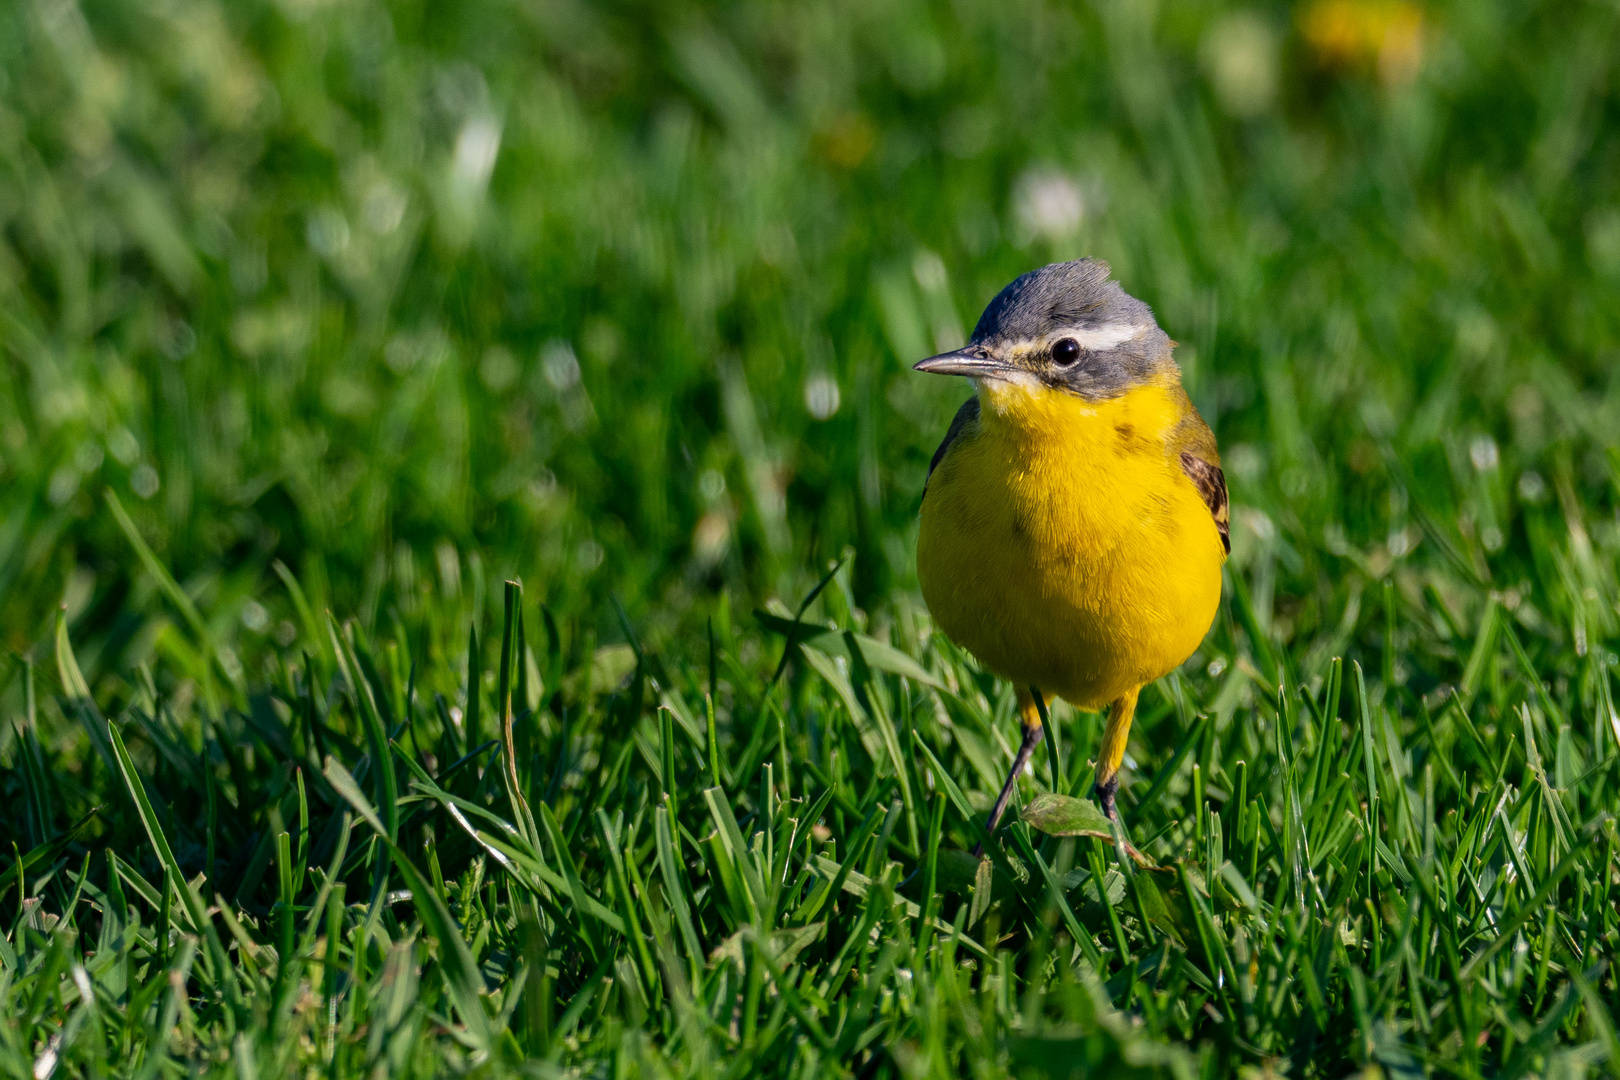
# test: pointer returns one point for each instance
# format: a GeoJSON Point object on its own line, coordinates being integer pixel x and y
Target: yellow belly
{"type": "Point", "coordinates": [1062, 545]}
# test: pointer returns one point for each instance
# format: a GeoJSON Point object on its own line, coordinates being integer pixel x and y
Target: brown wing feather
{"type": "Point", "coordinates": [1211, 484]}
{"type": "Point", "coordinates": [1201, 461]}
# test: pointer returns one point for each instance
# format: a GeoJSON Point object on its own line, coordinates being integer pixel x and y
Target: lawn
{"type": "Point", "coordinates": [459, 467]}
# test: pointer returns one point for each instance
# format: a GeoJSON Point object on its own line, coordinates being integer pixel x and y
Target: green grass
{"type": "Point", "coordinates": [320, 321]}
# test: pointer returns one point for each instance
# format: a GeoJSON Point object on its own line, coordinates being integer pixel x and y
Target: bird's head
{"type": "Point", "coordinates": [1065, 326]}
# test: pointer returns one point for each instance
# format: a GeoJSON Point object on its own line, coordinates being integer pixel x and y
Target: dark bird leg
{"type": "Point", "coordinates": [1112, 750]}
{"type": "Point", "coordinates": [1105, 796]}
{"type": "Point", "coordinates": [1030, 719]}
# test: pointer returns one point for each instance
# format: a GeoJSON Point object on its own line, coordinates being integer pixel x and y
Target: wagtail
{"type": "Point", "coordinates": [1074, 521]}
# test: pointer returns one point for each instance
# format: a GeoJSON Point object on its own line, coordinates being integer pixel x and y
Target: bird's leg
{"type": "Point", "coordinates": [1112, 750]}
{"type": "Point", "coordinates": [1105, 797]}
{"type": "Point", "coordinates": [1029, 718]}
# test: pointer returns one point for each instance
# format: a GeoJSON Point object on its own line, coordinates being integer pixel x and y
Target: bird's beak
{"type": "Point", "coordinates": [974, 361]}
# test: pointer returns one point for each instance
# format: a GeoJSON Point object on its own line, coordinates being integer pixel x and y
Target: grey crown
{"type": "Point", "coordinates": [1079, 295]}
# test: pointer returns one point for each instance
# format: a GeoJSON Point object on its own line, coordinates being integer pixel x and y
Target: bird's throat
{"type": "Point", "coordinates": [1035, 420]}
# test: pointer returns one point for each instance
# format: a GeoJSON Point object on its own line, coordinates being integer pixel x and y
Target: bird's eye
{"type": "Point", "coordinates": [1066, 352]}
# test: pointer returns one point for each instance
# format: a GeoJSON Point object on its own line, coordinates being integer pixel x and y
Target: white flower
{"type": "Point", "coordinates": [1050, 204]}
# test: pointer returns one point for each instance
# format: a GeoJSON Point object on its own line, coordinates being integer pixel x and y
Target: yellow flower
{"type": "Point", "coordinates": [1386, 35]}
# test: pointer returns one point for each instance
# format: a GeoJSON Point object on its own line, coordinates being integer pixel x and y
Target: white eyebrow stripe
{"type": "Point", "coordinates": [1098, 338]}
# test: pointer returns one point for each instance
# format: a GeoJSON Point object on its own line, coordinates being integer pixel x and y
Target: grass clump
{"type": "Point", "coordinates": [546, 862]}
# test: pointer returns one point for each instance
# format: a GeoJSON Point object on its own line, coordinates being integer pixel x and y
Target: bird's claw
{"type": "Point", "coordinates": [1105, 797]}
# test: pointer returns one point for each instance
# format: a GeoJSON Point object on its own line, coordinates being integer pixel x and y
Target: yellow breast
{"type": "Point", "coordinates": [1062, 544]}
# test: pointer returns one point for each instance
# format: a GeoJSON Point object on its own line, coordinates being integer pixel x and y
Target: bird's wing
{"type": "Point", "coordinates": [1201, 461]}
{"type": "Point", "coordinates": [1211, 484]}
{"type": "Point", "coordinates": [967, 414]}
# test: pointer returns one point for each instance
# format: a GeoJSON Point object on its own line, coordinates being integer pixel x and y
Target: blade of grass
{"type": "Point", "coordinates": [221, 972]}
{"type": "Point", "coordinates": [465, 983]}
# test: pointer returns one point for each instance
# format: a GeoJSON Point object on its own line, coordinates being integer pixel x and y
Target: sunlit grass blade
{"type": "Point", "coordinates": [221, 971]}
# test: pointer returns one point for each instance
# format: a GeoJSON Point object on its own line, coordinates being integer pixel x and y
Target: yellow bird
{"type": "Point", "coordinates": [1074, 522]}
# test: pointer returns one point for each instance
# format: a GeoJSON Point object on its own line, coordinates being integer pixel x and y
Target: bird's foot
{"type": "Point", "coordinates": [1105, 797]}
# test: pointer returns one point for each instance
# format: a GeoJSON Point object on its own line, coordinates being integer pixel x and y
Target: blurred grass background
{"type": "Point", "coordinates": [364, 307]}
{"type": "Point", "coordinates": [622, 297]}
